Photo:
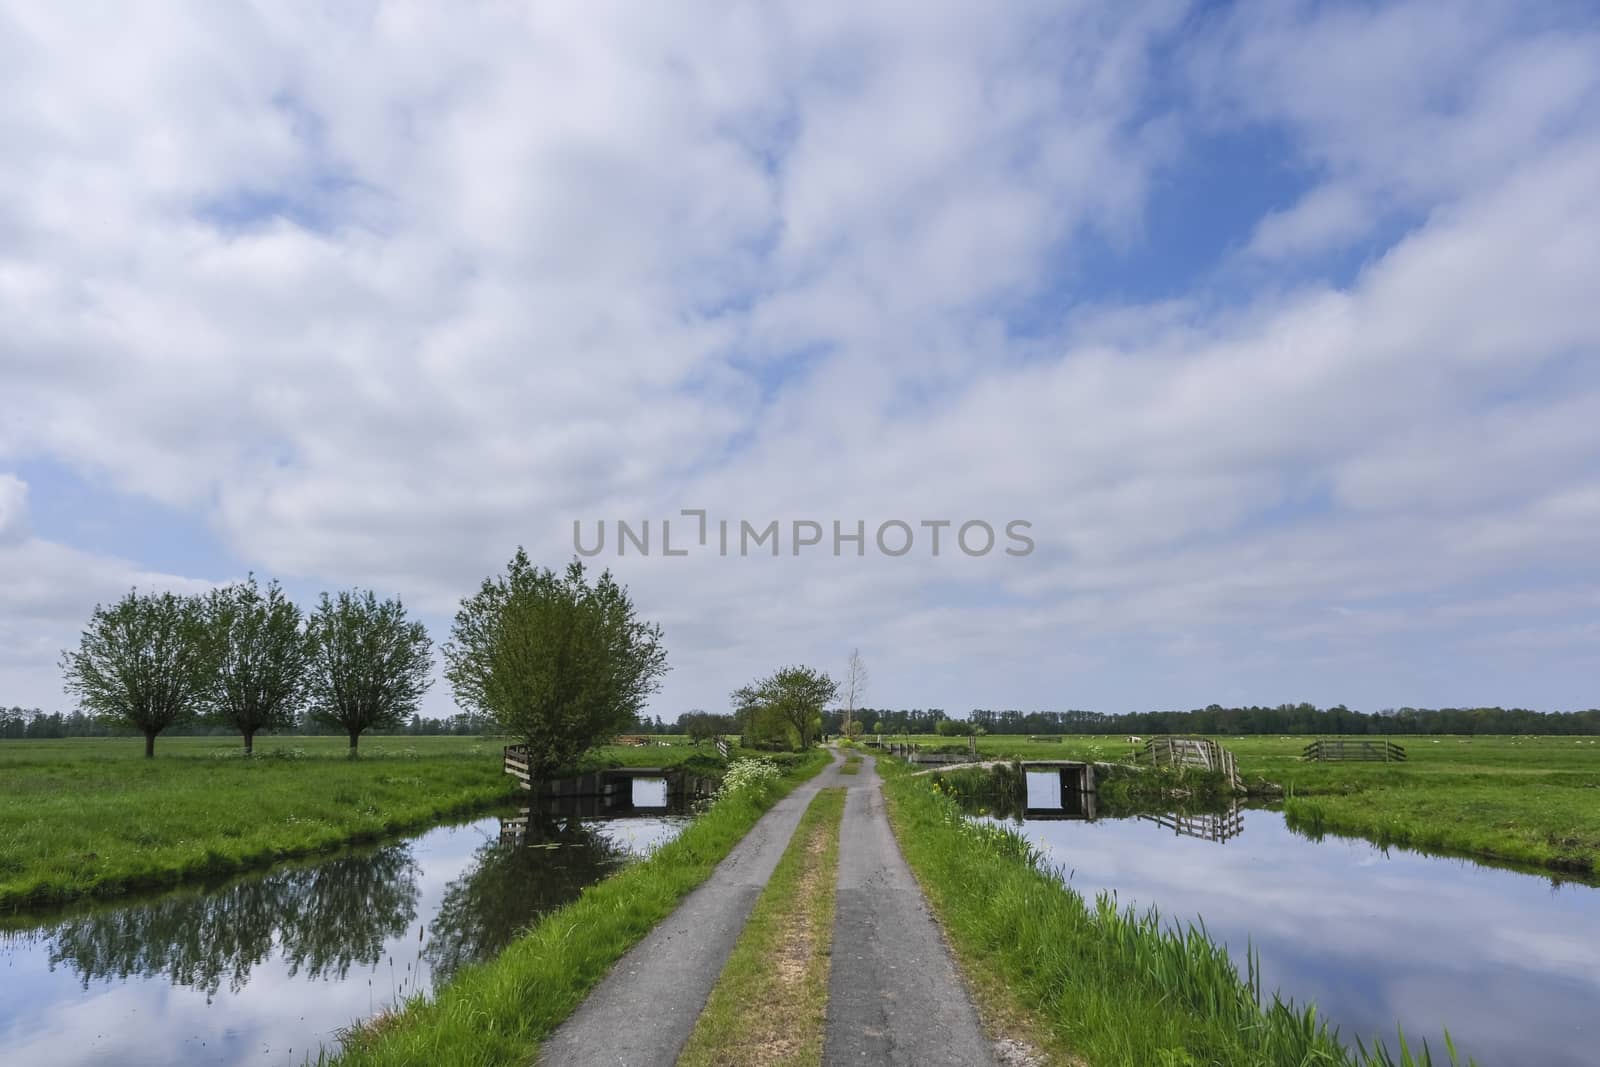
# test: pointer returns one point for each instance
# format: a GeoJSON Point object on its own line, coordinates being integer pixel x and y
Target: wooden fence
{"type": "Point", "coordinates": [1326, 749]}
{"type": "Point", "coordinates": [1198, 752]}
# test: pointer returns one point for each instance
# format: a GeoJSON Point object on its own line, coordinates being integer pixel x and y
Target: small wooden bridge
{"type": "Point", "coordinates": [614, 784]}
{"type": "Point", "coordinates": [1336, 749]}
{"type": "Point", "coordinates": [1078, 795]}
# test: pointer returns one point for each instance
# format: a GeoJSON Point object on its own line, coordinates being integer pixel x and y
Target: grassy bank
{"type": "Point", "coordinates": [770, 1005]}
{"type": "Point", "coordinates": [498, 1012]}
{"type": "Point", "coordinates": [1101, 986]}
{"type": "Point", "coordinates": [1529, 800]}
{"type": "Point", "coordinates": [92, 817]}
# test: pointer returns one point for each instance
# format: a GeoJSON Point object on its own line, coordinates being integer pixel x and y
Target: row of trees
{"type": "Point", "coordinates": [246, 657]}
{"type": "Point", "coordinates": [1293, 719]}
{"type": "Point", "coordinates": [551, 659]}
{"type": "Point", "coordinates": [19, 723]}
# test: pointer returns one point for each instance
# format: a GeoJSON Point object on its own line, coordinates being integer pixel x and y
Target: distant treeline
{"type": "Point", "coordinates": [17, 723]}
{"type": "Point", "coordinates": [1284, 719]}
{"type": "Point", "coordinates": [1292, 719]}
{"type": "Point", "coordinates": [1215, 719]}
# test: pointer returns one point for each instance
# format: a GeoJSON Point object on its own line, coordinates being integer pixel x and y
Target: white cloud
{"type": "Point", "coordinates": [49, 591]}
{"type": "Point", "coordinates": [380, 297]}
{"type": "Point", "coordinates": [13, 509]}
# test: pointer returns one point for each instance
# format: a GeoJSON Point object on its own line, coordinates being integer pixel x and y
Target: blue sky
{"type": "Point", "coordinates": [1275, 321]}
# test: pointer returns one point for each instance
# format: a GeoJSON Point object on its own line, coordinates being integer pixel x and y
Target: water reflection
{"type": "Point", "coordinates": [1509, 962]}
{"type": "Point", "coordinates": [535, 865]}
{"type": "Point", "coordinates": [1217, 826]}
{"type": "Point", "coordinates": [320, 919]}
{"type": "Point", "coordinates": [266, 968]}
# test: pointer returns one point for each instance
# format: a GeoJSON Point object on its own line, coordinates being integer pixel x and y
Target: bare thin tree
{"type": "Point", "coordinates": [855, 686]}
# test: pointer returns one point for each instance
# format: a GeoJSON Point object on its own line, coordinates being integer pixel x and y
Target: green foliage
{"type": "Point", "coordinates": [748, 774]}
{"type": "Point", "coordinates": [369, 664]}
{"type": "Point", "coordinates": [700, 726]}
{"type": "Point", "coordinates": [953, 728]}
{"type": "Point", "coordinates": [259, 656]}
{"type": "Point", "coordinates": [559, 663]}
{"type": "Point", "coordinates": [792, 697]}
{"type": "Point", "coordinates": [142, 663]}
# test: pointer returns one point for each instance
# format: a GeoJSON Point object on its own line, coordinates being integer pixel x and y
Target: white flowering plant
{"type": "Point", "coordinates": [747, 774]}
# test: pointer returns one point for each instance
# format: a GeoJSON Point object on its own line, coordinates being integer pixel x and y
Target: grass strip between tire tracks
{"type": "Point", "coordinates": [770, 1005]}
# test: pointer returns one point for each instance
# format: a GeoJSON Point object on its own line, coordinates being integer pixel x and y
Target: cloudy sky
{"type": "Point", "coordinates": [1278, 324]}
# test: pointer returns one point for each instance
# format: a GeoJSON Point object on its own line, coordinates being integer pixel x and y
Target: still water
{"type": "Point", "coordinates": [266, 969]}
{"type": "Point", "coordinates": [1509, 962]}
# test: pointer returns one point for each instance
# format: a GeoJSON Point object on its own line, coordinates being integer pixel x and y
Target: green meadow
{"type": "Point", "coordinates": [92, 817]}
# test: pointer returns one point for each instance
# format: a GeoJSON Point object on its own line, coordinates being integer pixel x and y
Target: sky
{"type": "Point", "coordinates": [1274, 326]}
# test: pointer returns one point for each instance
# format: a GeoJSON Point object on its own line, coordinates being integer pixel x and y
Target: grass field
{"type": "Point", "coordinates": [91, 816]}
{"type": "Point", "coordinates": [1528, 800]}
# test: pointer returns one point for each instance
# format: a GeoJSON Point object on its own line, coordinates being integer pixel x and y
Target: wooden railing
{"type": "Point", "coordinates": [1334, 749]}
{"type": "Point", "coordinates": [516, 764]}
{"type": "Point", "coordinates": [1198, 752]}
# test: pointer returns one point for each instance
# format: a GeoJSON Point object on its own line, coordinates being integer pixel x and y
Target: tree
{"type": "Point", "coordinates": [855, 687]}
{"type": "Point", "coordinates": [260, 657]}
{"type": "Point", "coordinates": [369, 663]}
{"type": "Point", "coordinates": [700, 726]}
{"type": "Point", "coordinates": [142, 663]}
{"type": "Point", "coordinates": [559, 663]}
{"type": "Point", "coordinates": [794, 696]}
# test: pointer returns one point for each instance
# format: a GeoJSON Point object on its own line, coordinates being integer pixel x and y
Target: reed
{"type": "Point", "coordinates": [1105, 984]}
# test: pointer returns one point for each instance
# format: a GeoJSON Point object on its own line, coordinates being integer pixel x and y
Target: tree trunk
{"type": "Point", "coordinates": [249, 743]}
{"type": "Point", "coordinates": [149, 744]}
{"type": "Point", "coordinates": [355, 736]}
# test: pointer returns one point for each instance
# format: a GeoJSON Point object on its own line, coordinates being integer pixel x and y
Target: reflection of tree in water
{"type": "Point", "coordinates": [324, 917]}
{"type": "Point", "coordinates": [511, 883]}
{"type": "Point", "coordinates": [1002, 804]}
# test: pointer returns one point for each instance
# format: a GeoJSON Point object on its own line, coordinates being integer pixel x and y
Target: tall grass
{"type": "Point", "coordinates": [498, 1012]}
{"type": "Point", "coordinates": [1108, 985]}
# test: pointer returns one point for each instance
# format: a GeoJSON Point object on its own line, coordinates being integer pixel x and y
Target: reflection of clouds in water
{"type": "Point", "coordinates": [641, 834]}
{"type": "Point", "coordinates": [48, 1018]}
{"type": "Point", "coordinates": [1373, 937]}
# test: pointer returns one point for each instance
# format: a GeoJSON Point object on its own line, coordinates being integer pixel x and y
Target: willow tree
{"type": "Point", "coordinates": [369, 664]}
{"type": "Point", "coordinates": [791, 696]}
{"type": "Point", "coordinates": [260, 655]}
{"type": "Point", "coordinates": [143, 663]}
{"type": "Point", "coordinates": [559, 663]}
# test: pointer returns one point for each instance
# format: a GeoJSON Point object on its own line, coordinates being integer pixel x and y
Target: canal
{"type": "Point", "coordinates": [1508, 961]}
{"type": "Point", "coordinates": [267, 969]}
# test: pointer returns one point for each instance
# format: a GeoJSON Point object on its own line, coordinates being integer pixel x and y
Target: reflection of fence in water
{"type": "Point", "coordinates": [1211, 826]}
